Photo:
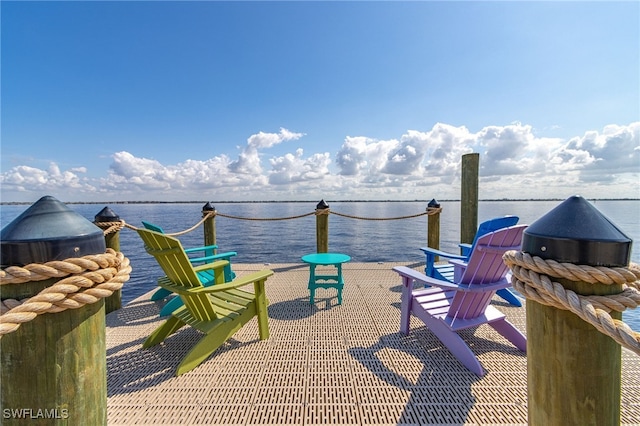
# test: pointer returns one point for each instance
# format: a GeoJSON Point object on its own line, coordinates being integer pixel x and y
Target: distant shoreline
{"type": "Point", "coordinates": [17, 203]}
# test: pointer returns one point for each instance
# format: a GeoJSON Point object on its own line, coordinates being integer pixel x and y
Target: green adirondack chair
{"type": "Point", "coordinates": [207, 276]}
{"type": "Point", "coordinates": [218, 311]}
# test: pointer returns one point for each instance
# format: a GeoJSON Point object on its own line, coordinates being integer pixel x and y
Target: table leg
{"type": "Point", "coordinates": [340, 283]}
{"type": "Point", "coordinates": [312, 283]}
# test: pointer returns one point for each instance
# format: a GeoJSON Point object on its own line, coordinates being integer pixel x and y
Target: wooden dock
{"type": "Point", "coordinates": [324, 364]}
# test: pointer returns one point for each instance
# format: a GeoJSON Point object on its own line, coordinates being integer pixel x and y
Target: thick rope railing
{"type": "Point", "coordinates": [430, 211]}
{"type": "Point", "coordinates": [228, 216]}
{"type": "Point", "coordinates": [87, 280]}
{"type": "Point", "coordinates": [110, 227]}
{"type": "Point", "coordinates": [532, 277]}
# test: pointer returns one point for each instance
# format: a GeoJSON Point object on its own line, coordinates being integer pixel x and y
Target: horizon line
{"type": "Point", "coordinates": [309, 201]}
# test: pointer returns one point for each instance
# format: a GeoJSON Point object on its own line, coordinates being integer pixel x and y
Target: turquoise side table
{"type": "Point", "coordinates": [325, 281]}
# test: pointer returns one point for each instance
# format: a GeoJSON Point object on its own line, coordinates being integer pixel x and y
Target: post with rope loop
{"type": "Point", "coordinates": [322, 227]}
{"type": "Point", "coordinates": [433, 225]}
{"type": "Point", "coordinates": [574, 370]}
{"type": "Point", "coordinates": [208, 212]}
{"type": "Point", "coordinates": [104, 219]}
{"type": "Point", "coordinates": [54, 362]}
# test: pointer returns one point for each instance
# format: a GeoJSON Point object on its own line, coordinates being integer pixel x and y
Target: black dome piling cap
{"type": "Point", "coordinates": [433, 204]}
{"type": "Point", "coordinates": [107, 215]}
{"type": "Point", "coordinates": [576, 232]}
{"type": "Point", "coordinates": [208, 207]}
{"type": "Point", "coordinates": [322, 205]}
{"type": "Point", "coordinates": [46, 231]}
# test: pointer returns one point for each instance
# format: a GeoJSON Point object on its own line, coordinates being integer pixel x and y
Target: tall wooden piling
{"type": "Point", "coordinates": [322, 227]}
{"type": "Point", "coordinates": [54, 367]}
{"type": "Point", "coordinates": [574, 370]}
{"type": "Point", "coordinates": [469, 197]}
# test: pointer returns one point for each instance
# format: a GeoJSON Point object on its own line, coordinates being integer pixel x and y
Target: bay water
{"type": "Point", "coordinates": [285, 241]}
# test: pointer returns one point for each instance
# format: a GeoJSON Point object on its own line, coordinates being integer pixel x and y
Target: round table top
{"type": "Point", "coordinates": [325, 258]}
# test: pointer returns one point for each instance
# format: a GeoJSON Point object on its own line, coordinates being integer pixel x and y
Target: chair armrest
{"type": "Point", "coordinates": [238, 282]}
{"type": "Point", "coordinates": [225, 256]}
{"type": "Point", "coordinates": [255, 277]}
{"type": "Point", "coordinates": [434, 252]}
{"type": "Point", "coordinates": [417, 276]}
{"type": "Point", "coordinates": [220, 264]}
{"type": "Point", "coordinates": [465, 249]}
{"type": "Point", "coordinates": [446, 285]}
{"type": "Point", "coordinates": [203, 248]}
{"type": "Point", "coordinates": [430, 261]}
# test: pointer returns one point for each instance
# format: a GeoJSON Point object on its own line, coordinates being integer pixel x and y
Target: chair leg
{"type": "Point", "coordinates": [160, 294]}
{"type": "Point", "coordinates": [208, 345]}
{"type": "Point", "coordinates": [261, 303]}
{"type": "Point", "coordinates": [405, 307]}
{"type": "Point", "coordinates": [511, 333]}
{"type": "Point", "coordinates": [171, 306]}
{"type": "Point", "coordinates": [507, 295]}
{"type": "Point", "coordinates": [169, 327]}
{"type": "Point", "coordinates": [214, 338]}
{"type": "Point", "coordinates": [456, 345]}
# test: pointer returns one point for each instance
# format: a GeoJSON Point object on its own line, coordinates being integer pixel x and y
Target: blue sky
{"type": "Point", "coordinates": [108, 101]}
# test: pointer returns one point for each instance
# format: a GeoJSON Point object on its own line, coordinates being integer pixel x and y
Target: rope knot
{"type": "Point", "coordinates": [110, 227]}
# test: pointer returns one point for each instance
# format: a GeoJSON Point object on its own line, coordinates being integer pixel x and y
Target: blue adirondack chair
{"type": "Point", "coordinates": [445, 271]}
{"type": "Point", "coordinates": [207, 276]}
{"type": "Point", "coordinates": [447, 307]}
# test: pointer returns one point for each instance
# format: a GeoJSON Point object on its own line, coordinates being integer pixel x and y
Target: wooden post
{"type": "Point", "coordinates": [433, 227]}
{"type": "Point", "coordinates": [112, 240]}
{"type": "Point", "coordinates": [322, 227]}
{"type": "Point", "coordinates": [573, 370]}
{"type": "Point", "coordinates": [54, 367]}
{"type": "Point", "coordinates": [469, 197]}
{"type": "Point", "coordinates": [209, 227]}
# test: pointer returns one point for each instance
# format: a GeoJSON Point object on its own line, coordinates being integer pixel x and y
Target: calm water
{"type": "Point", "coordinates": [287, 240]}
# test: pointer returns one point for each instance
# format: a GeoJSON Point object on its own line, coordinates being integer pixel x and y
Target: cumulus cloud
{"type": "Point", "coordinates": [515, 163]}
{"type": "Point", "coordinates": [293, 168]}
{"type": "Point", "coordinates": [617, 148]}
{"type": "Point", "coordinates": [52, 180]}
{"type": "Point", "coordinates": [364, 156]}
{"type": "Point", "coordinates": [131, 173]}
{"type": "Point", "coordinates": [249, 160]}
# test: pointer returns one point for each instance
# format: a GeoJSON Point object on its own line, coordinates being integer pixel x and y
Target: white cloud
{"type": "Point", "coordinates": [249, 160]}
{"type": "Point", "coordinates": [515, 163]}
{"type": "Point", "coordinates": [26, 179]}
{"type": "Point", "coordinates": [293, 168]}
{"type": "Point", "coordinates": [617, 148]}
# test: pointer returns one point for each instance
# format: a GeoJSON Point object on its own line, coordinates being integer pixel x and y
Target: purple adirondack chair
{"type": "Point", "coordinates": [447, 307]}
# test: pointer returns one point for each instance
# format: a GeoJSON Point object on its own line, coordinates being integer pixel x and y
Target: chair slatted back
{"type": "Point", "coordinates": [492, 225]}
{"type": "Point", "coordinates": [173, 260]}
{"type": "Point", "coordinates": [485, 266]}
